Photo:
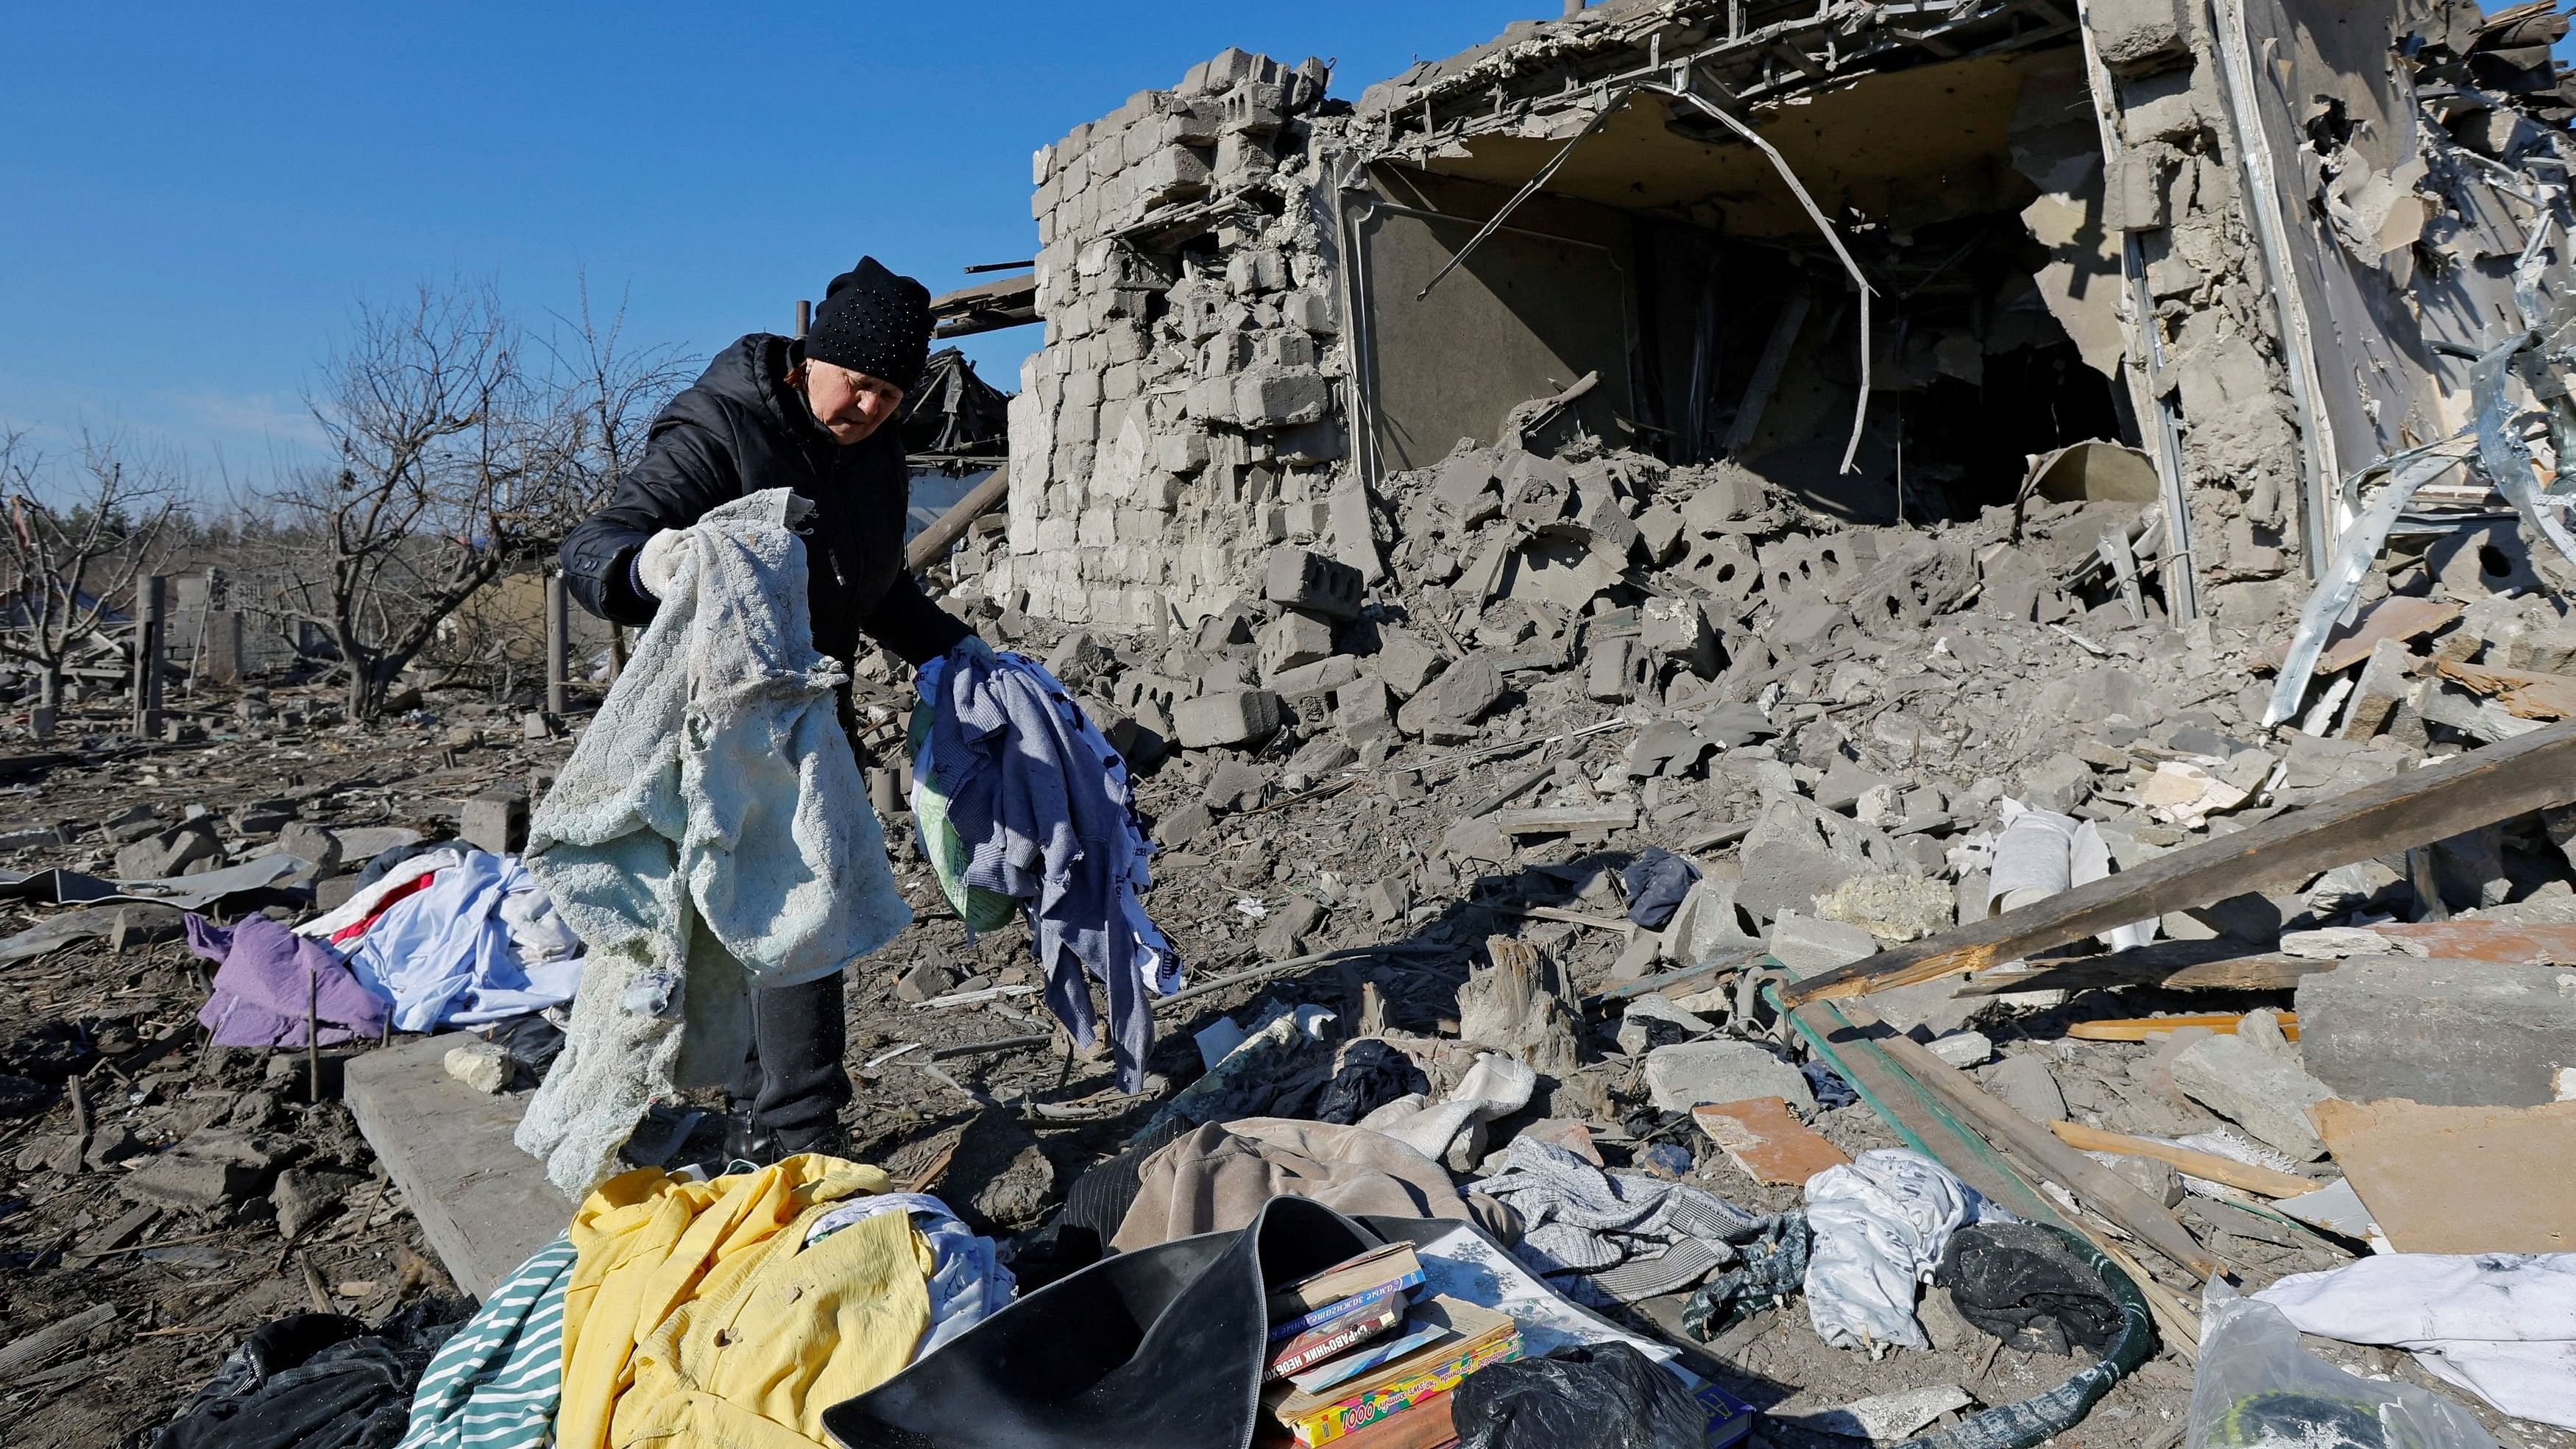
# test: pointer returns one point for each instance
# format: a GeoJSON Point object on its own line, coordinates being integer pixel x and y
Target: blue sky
{"type": "Point", "coordinates": [193, 198]}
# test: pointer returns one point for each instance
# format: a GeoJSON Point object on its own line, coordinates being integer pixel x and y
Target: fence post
{"type": "Point", "coordinates": [148, 649]}
{"type": "Point", "coordinates": [558, 644]}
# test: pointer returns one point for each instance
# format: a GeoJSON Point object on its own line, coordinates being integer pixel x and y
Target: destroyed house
{"type": "Point", "coordinates": [1895, 263]}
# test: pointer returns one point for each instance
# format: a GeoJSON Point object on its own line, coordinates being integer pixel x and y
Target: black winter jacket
{"type": "Point", "coordinates": [740, 429]}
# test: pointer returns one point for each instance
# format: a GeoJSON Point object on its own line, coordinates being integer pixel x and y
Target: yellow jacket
{"type": "Point", "coordinates": [696, 1317]}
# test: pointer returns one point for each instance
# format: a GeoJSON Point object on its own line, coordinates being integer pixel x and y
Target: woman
{"type": "Point", "coordinates": [817, 416]}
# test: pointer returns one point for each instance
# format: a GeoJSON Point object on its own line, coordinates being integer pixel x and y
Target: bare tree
{"type": "Point", "coordinates": [461, 449]}
{"type": "Point", "coordinates": [76, 538]}
{"type": "Point", "coordinates": [606, 394]}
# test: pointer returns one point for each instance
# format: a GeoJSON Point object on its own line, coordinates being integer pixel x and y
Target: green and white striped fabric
{"type": "Point", "coordinates": [495, 1384]}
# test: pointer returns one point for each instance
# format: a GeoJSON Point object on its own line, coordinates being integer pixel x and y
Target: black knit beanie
{"type": "Point", "coordinates": [875, 322]}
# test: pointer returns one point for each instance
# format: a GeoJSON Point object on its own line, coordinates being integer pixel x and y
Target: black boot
{"type": "Point", "coordinates": [748, 1140]}
{"type": "Point", "coordinates": [787, 1098]}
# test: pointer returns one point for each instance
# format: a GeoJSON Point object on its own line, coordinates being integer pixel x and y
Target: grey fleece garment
{"type": "Point", "coordinates": [709, 835]}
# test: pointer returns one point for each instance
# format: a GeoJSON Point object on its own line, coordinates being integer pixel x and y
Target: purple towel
{"type": "Point", "coordinates": [262, 973]}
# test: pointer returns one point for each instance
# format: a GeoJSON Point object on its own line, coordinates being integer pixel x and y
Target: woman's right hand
{"type": "Point", "coordinates": [657, 564]}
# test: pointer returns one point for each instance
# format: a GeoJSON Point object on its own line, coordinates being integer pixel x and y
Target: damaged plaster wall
{"type": "Point", "coordinates": [2175, 191]}
{"type": "Point", "coordinates": [1186, 409]}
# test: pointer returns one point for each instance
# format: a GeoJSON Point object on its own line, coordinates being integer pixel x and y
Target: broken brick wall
{"type": "Point", "coordinates": [1186, 409]}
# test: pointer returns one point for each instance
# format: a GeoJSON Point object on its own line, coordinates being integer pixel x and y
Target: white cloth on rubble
{"type": "Point", "coordinates": [1612, 1237]}
{"type": "Point", "coordinates": [538, 932]}
{"type": "Point", "coordinates": [1880, 1225]}
{"type": "Point", "coordinates": [1496, 1086]}
{"type": "Point", "coordinates": [364, 904]}
{"type": "Point", "coordinates": [478, 942]}
{"type": "Point", "coordinates": [447, 955]}
{"type": "Point", "coordinates": [2040, 853]}
{"type": "Point", "coordinates": [2501, 1325]}
{"type": "Point", "coordinates": [709, 835]}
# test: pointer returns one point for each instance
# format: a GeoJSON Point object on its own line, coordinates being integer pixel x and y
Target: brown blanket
{"type": "Point", "coordinates": [1218, 1176]}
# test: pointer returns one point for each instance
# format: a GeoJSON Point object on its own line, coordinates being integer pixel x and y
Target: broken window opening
{"type": "Point", "coordinates": [1740, 324]}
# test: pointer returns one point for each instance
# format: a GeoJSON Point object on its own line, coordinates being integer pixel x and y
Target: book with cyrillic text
{"type": "Point", "coordinates": [1342, 1327]}
{"type": "Point", "coordinates": [1393, 1263]}
{"type": "Point", "coordinates": [1305, 1323]}
{"type": "Point", "coordinates": [1474, 1338]}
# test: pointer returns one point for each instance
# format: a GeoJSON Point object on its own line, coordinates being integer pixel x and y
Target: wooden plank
{"type": "Point", "coordinates": [1893, 1093]}
{"type": "Point", "coordinates": [1765, 1139]}
{"type": "Point", "coordinates": [932, 544]}
{"type": "Point", "coordinates": [1564, 819]}
{"type": "Point", "coordinates": [484, 1205]}
{"type": "Point", "coordinates": [2217, 966]}
{"type": "Point", "coordinates": [2105, 1191]}
{"type": "Point", "coordinates": [2459, 1179]}
{"type": "Point", "coordinates": [1898, 1097]}
{"type": "Point", "coordinates": [2505, 942]}
{"type": "Point", "coordinates": [2139, 1028]}
{"type": "Point", "coordinates": [2207, 1166]}
{"type": "Point", "coordinates": [2523, 694]}
{"type": "Point", "coordinates": [2434, 803]}
{"type": "Point", "coordinates": [53, 1337]}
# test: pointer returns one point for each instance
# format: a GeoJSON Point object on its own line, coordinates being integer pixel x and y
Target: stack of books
{"type": "Point", "coordinates": [1353, 1361]}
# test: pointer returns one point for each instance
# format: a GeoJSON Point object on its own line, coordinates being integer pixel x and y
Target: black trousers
{"type": "Point", "coordinates": [793, 1080]}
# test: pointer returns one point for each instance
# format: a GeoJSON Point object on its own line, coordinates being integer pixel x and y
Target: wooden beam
{"type": "Point", "coordinates": [2479, 788]}
{"type": "Point", "coordinates": [932, 544]}
{"type": "Point", "coordinates": [1565, 819]}
{"type": "Point", "coordinates": [2208, 1166]}
{"type": "Point", "coordinates": [2194, 970]}
{"type": "Point", "coordinates": [2101, 1189]}
{"type": "Point", "coordinates": [2139, 1028]}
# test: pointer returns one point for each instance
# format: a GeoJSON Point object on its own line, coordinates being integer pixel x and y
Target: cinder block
{"type": "Point", "coordinates": [1174, 173]}
{"type": "Point", "coordinates": [495, 821]}
{"type": "Point", "coordinates": [1677, 629]}
{"type": "Point", "coordinates": [1406, 663]}
{"type": "Point", "coordinates": [1446, 713]}
{"type": "Point", "coordinates": [1303, 579]}
{"type": "Point", "coordinates": [1281, 397]}
{"type": "Point", "coordinates": [1226, 717]}
{"type": "Point", "coordinates": [1362, 710]}
{"type": "Point", "coordinates": [1321, 677]}
{"type": "Point", "coordinates": [1293, 640]}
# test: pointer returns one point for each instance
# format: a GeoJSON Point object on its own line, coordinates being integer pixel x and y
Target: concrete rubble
{"type": "Point", "coordinates": [1422, 603]}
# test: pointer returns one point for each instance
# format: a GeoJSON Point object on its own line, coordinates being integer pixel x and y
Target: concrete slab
{"type": "Point", "coordinates": [484, 1205]}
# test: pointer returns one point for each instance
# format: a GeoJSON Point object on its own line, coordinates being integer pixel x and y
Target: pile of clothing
{"type": "Point", "coordinates": [724, 1311]}
{"type": "Point", "coordinates": [445, 937]}
{"type": "Point", "coordinates": [455, 936]}
{"type": "Point", "coordinates": [1021, 800]}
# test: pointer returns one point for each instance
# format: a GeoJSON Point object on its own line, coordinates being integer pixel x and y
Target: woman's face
{"type": "Point", "coordinates": [849, 405]}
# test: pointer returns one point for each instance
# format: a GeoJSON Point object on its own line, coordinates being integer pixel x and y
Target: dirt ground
{"type": "Point", "coordinates": [1001, 1133]}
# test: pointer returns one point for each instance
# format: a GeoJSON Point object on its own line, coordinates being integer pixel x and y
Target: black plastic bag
{"type": "Point", "coordinates": [533, 1044]}
{"type": "Point", "coordinates": [317, 1381]}
{"type": "Point", "coordinates": [1607, 1396]}
{"type": "Point", "coordinates": [1371, 1074]}
{"type": "Point", "coordinates": [2025, 1286]}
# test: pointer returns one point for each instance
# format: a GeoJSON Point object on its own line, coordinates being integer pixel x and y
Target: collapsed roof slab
{"type": "Point", "coordinates": [1901, 148]}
